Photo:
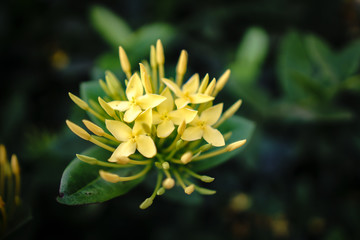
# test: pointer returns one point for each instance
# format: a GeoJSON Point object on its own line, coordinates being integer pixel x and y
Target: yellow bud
{"type": "Point", "coordinates": [160, 57]}
{"type": "Point", "coordinates": [94, 128]}
{"type": "Point", "coordinates": [153, 56]}
{"type": "Point", "coordinates": [221, 82]}
{"type": "Point", "coordinates": [165, 165]}
{"type": "Point", "coordinates": [232, 110]}
{"type": "Point", "coordinates": [78, 101]}
{"type": "Point", "coordinates": [186, 157]}
{"type": "Point", "coordinates": [2, 155]}
{"type": "Point", "coordinates": [147, 203]}
{"type": "Point", "coordinates": [78, 130]}
{"type": "Point", "coordinates": [124, 61]}
{"type": "Point", "coordinates": [182, 63]}
{"type": "Point", "coordinates": [204, 84]}
{"type": "Point", "coordinates": [235, 145]}
{"type": "Point", "coordinates": [211, 87]}
{"type": "Point", "coordinates": [145, 79]}
{"type": "Point", "coordinates": [189, 189]}
{"type": "Point", "coordinates": [109, 110]}
{"type": "Point", "coordinates": [229, 113]}
{"type": "Point", "coordinates": [168, 183]}
{"type": "Point", "coordinates": [110, 177]}
{"type": "Point", "coordinates": [181, 127]}
{"type": "Point", "coordinates": [86, 159]}
{"type": "Point", "coordinates": [15, 165]}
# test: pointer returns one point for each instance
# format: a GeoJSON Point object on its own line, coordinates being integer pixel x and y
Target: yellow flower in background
{"type": "Point", "coordinates": [9, 188]}
{"type": "Point", "coordinates": [138, 125]}
{"type": "Point", "coordinates": [202, 127]}
{"type": "Point", "coordinates": [165, 117]}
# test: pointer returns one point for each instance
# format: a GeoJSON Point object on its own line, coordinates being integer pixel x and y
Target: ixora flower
{"type": "Point", "coordinates": [151, 125]}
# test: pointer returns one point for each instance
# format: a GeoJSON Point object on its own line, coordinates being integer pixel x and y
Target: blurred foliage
{"type": "Point", "coordinates": [297, 179]}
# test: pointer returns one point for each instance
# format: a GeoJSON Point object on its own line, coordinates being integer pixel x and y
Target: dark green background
{"type": "Point", "coordinates": [295, 170]}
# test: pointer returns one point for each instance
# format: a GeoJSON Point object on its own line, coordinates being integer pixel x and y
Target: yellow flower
{"type": "Point", "coordinates": [132, 139]}
{"type": "Point", "coordinates": [166, 117]}
{"type": "Point", "coordinates": [136, 100]}
{"type": "Point", "coordinates": [188, 93]}
{"type": "Point", "coordinates": [201, 127]}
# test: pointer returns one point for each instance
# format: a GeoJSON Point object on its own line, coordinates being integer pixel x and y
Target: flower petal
{"type": "Point", "coordinates": [146, 146]}
{"type": "Point", "coordinates": [213, 136]}
{"type": "Point", "coordinates": [143, 123]}
{"type": "Point", "coordinates": [156, 117]}
{"type": "Point", "coordinates": [132, 113]}
{"type": "Point", "coordinates": [212, 114]}
{"type": "Point", "coordinates": [124, 149]}
{"type": "Point", "coordinates": [165, 128]}
{"type": "Point", "coordinates": [120, 105]}
{"type": "Point", "coordinates": [134, 88]}
{"type": "Point", "coordinates": [200, 98]}
{"type": "Point", "coordinates": [173, 86]}
{"type": "Point", "coordinates": [192, 85]}
{"type": "Point", "coordinates": [119, 130]}
{"type": "Point", "coordinates": [167, 105]}
{"type": "Point", "coordinates": [180, 115]}
{"type": "Point", "coordinates": [192, 133]}
{"type": "Point", "coordinates": [149, 101]}
{"type": "Point", "coordinates": [181, 102]}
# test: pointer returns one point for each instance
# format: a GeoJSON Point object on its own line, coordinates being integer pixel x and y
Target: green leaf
{"type": "Point", "coordinates": [91, 90]}
{"type": "Point", "coordinates": [349, 59]}
{"type": "Point", "coordinates": [110, 26]}
{"type": "Point", "coordinates": [321, 54]}
{"type": "Point", "coordinates": [241, 128]}
{"type": "Point", "coordinates": [82, 184]}
{"type": "Point", "coordinates": [292, 57]}
{"type": "Point", "coordinates": [251, 55]}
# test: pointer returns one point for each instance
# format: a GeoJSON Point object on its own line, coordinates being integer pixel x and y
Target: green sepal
{"type": "Point", "coordinates": [82, 184]}
{"type": "Point", "coordinates": [241, 128]}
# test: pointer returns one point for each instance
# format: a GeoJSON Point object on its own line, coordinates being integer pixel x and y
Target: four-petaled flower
{"type": "Point", "coordinates": [201, 127]}
{"type": "Point", "coordinates": [189, 92]}
{"type": "Point", "coordinates": [166, 116]}
{"type": "Point", "coordinates": [132, 139]}
{"type": "Point", "coordinates": [136, 100]}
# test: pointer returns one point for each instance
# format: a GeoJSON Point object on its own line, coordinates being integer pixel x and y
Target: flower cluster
{"type": "Point", "coordinates": [157, 122]}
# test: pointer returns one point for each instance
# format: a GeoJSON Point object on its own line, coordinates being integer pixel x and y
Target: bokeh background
{"type": "Point", "coordinates": [295, 64]}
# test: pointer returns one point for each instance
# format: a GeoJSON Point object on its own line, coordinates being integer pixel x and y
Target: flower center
{"type": "Point", "coordinates": [165, 116]}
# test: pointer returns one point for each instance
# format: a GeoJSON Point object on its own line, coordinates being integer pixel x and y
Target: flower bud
{"type": "Point", "coordinates": [147, 203]}
{"type": "Point", "coordinates": [186, 157]}
{"type": "Point", "coordinates": [235, 145]}
{"type": "Point", "coordinates": [94, 128]}
{"type": "Point", "coordinates": [78, 130]}
{"type": "Point", "coordinates": [221, 82]}
{"type": "Point", "coordinates": [168, 183]}
{"type": "Point", "coordinates": [182, 63]}
{"type": "Point", "coordinates": [78, 101]}
{"type": "Point", "coordinates": [160, 57]}
{"type": "Point", "coordinates": [189, 189]}
{"type": "Point", "coordinates": [124, 62]}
